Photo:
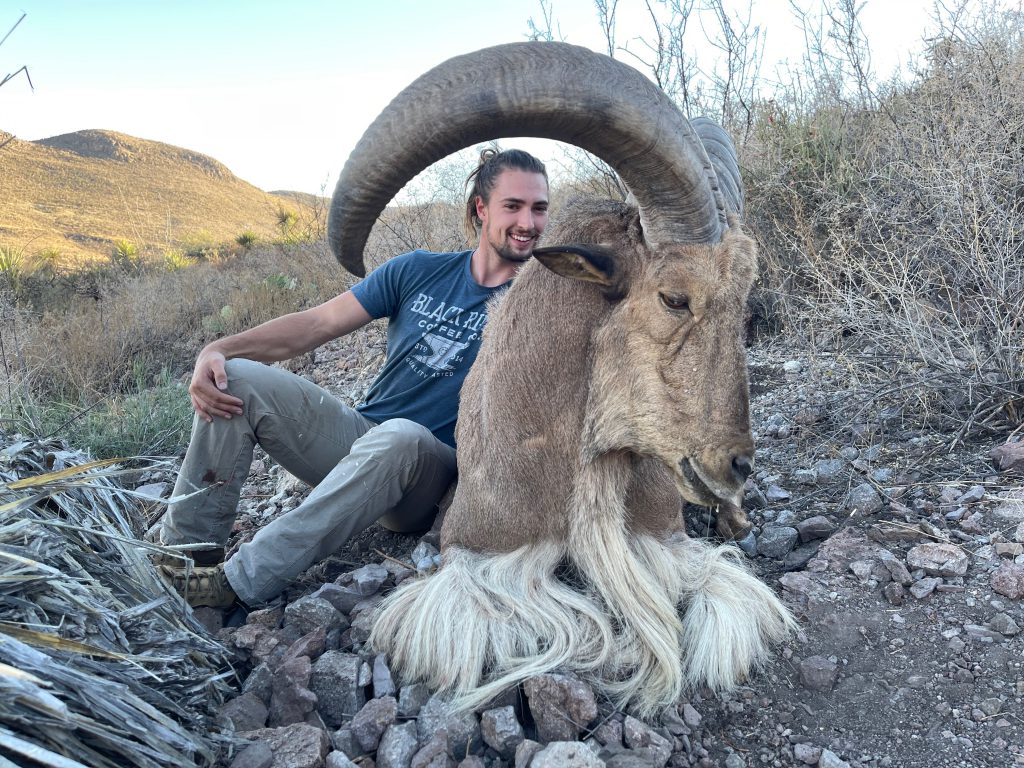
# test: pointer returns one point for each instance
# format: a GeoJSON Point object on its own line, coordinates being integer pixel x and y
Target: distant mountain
{"type": "Point", "coordinates": [80, 192]}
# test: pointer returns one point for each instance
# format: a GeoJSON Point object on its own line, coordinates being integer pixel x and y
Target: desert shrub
{"type": "Point", "coordinates": [153, 419]}
{"type": "Point", "coordinates": [175, 259]}
{"type": "Point", "coordinates": [247, 239]}
{"type": "Point", "coordinates": [125, 256]}
{"type": "Point", "coordinates": [13, 267]}
{"type": "Point", "coordinates": [891, 226]}
{"type": "Point", "coordinates": [115, 329]}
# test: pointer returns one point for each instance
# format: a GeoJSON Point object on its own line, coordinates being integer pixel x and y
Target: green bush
{"type": "Point", "coordinates": [247, 239]}
{"type": "Point", "coordinates": [151, 421]}
{"type": "Point", "coordinates": [125, 256]}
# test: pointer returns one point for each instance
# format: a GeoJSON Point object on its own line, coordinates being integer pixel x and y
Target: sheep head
{"type": "Point", "coordinates": [670, 372]}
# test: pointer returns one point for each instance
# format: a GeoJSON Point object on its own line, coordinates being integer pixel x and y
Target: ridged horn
{"type": "Point", "coordinates": [541, 89]}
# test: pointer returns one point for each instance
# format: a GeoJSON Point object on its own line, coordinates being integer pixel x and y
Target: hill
{"type": "Point", "coordinates": [78, 193]}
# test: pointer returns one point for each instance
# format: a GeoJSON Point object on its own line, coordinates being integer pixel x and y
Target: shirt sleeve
{"type": "Point", "coordinates": [380, 292]}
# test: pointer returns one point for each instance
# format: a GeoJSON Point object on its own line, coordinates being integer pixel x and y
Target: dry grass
{"type": "Point", "coordinates": [100, 663]}
{"type": "Point", "coordinates": [78, 194]}
{"type": "Point", "coordinates": [891, 228]}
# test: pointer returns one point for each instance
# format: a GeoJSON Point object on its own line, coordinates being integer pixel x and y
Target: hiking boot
{"type": "Point", "coordinates": [199, 557]}
{"type": "Point", "coordinates": [201, 586]}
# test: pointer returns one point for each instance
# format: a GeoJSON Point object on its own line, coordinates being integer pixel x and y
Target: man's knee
{"type": "Point", "coordinates": [401, 436]}
{"type": "Point", "coordinates": [246, 376]}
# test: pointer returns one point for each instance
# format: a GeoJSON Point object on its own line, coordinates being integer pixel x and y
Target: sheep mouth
{"type": "Point", "coordinates": [698, 486]}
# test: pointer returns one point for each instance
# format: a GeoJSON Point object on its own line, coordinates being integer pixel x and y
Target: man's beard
{"type": "Point", "coordinates": [507, 251]}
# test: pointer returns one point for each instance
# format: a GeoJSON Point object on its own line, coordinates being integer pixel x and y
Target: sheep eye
{"type": "Point", "coordinates": [675, 303]}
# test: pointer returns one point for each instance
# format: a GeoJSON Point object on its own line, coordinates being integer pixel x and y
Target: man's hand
{"type": "Point", "coordinates": [209, 386]}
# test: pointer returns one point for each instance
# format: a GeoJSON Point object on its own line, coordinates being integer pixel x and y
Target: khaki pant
{"type": "Point", "coordinates": [394, 472]}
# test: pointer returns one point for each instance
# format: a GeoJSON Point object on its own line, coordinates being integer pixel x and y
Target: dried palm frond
{"type": "Point", "coordinates": [100, 663]}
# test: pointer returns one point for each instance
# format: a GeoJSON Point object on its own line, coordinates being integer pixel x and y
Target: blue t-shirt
{"type": "Point", "coordinates": [436, 314]}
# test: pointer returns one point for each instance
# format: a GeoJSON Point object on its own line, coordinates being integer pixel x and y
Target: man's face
{"type": "Point", "coordinates": [516, 214]}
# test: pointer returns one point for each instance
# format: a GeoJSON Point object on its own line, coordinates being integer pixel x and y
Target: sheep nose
{"type": "Point", "coordinates": [742, 466]}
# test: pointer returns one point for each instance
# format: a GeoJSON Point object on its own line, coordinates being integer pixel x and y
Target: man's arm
{"type": "Point", "coordinates": [282, 338]}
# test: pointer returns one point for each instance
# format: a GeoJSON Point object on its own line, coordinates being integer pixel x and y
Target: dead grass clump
{"type": "Point", "coordinates": [100, 663]}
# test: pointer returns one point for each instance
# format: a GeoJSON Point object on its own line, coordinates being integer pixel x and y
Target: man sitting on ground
{"type": "Point", "coordinates": [388, 460]}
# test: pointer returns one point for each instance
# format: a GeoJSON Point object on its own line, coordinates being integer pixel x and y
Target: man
{"type": "Point", "coordinates": [391, 458]}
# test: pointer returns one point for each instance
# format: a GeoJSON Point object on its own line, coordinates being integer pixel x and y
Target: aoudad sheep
{"type": "Point", "coordinates": [611, 382]}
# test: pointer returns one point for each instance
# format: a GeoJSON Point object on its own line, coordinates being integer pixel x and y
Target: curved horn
{"type": "Point", "coordinates": [722, 153]}
{"type": "Point", "coordinates": [547, 90]}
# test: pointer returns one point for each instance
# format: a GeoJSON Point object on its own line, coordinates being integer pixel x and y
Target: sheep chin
{"type": "Point", "coordinates": [697, 486]}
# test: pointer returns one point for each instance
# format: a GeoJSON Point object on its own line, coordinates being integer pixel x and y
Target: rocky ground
{"type": "Point", "coordinates": [902, 559]}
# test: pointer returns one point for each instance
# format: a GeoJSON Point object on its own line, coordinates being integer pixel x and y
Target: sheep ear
{"type": "Point", "coordinates": [591, 263]}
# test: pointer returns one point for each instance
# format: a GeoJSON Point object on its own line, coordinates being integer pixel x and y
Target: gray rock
{"type": "Point", "coordinates": [335, 681]}
{"type": "Point", "coordinates": [462, 728]}
{"type": "Point", "coordinates": [383, 683]}
{"type": "Point", "coordinates": [308, 613]}
{"type": "Point", "coordinates": [748, 544]}
{"type": "Point", "coordinates": [434, 754]}
{"type": "Point", "coordinates": [339, 760]}
{"type": "Point", "coordinates": [777, 493]}
{"type": "Point", "coordinates": [785, 517]}
{"type": "Point", "coordinates": [818, 673]}
{"type": "Point", "coordinates": [831, 760]}
{"type": "Point", "coordinates": [883, 475]}
{"type": "Point", "coordinates": [411, 699]}
{"type": "Point", "coordinates": [863, 499]}
{"type": "Point", "coordinates": [807, 753]}
{"type": "Point", "coordinates": [921, 589]}
{"type": "Point", "coordinates": [991, 706]}
{"type": "Point", "coordinates": [829, 470]}
{"type": "Point", "coordinates": [368, 579]}
{"type": "Point", "coordinates": [982, 634]}
{"type": "Point", "coordinates": [361, 627]}
{"type": "Point", "coordinates": [776, 541]}
{"type": "Point", "coordinates": [294, 746]}
{"type": "Point", "coordinates": [735, 761]}
{"type": "Point", "coordinates": [609, 733]}
{"type": "Point", "coordinates": [975, 494]}
{"type": "Point", "coordinates": [894, 593]}
{"type": "Point", "coordinates": [753, 497]}
{"type": "Point", "coordinates": [260, 682]}
{"type": "Point", "coordinates": [372, 720]}
{"type": "Point", "coordinates": [792, 366]}
{"type": "Point", "coordinates": [938, 559]}
{"type": "Point", "coordinates": [862, 569]}
{"type": "Point", "coordinates": [1004, 625]}
{"type": "Point", "coordinates": [691, 716]}
{"type": "Point", "coordinates": [502, 731]}
{"type": "Point", "coordinates": [291, 700]}
{"type": "Point", "coordinates": [1008, 580]}
{"type": "Point", "coordinates": [525, 753]}
{"type": "Point", "coordinates": [343, 740]}
{"type": "Point", "coordinates": [344, 597]}
{"type": "Point", "coordinates": [423, 551]}
{"type": "Point", "coordinates": [813, 528]}
{"type": "Point", "coordinates": [897, 570]}
{"type": "Point", "coordinates": [805, 477]}
{"type": "Point", "coordinates": [256, 755]}
{"type": "Point", "coordinates": [246, 712]}
{"type": "Point", "coordinates": [562, 705]}
{"type": "Point", "coordinates": [397, 746]}
{"type": "Point", "coordinates": [566, 754]}
{"type": "Point", "coordinates": [639, 736]}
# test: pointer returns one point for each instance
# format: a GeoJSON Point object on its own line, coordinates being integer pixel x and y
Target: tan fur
{"type": "Point", "coordinates": [578, 423]}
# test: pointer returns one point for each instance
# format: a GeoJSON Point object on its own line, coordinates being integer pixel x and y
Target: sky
{"type": "Point", "coordinates": [280, 92]}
